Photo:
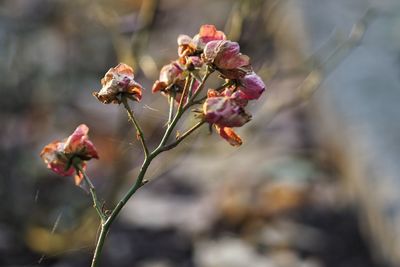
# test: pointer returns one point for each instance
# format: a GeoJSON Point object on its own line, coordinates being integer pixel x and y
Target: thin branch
{"type": "Point", "coordinates": [183, 136]}
{"type": "Point", "coordinates": [201, 85]}
{"type": "Point", "coordinates": [188, 81]}
{"type": "Point", "coordinates": [92, 190]}
{"type": "Point", "coordinates": [139, 130]}
{"type": "Point", "coordinates": [148, 158]}
{"type": "Point", "coordinates": [219, 89]}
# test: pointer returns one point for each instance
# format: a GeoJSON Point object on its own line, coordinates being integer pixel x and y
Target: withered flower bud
{"type": "Point", "coordinates": [117, 82]}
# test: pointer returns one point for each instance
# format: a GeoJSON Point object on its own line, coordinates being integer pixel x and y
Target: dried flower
{"type": "Point", "coordinates": [226, 57]}
{"type": "Point", "coordinates": [172, 81]}
{"type": "Point", "coordinates": [119, 81]}
{"type": "Point", "coordinates": [224, 112]}
{"type": "Point", "coordinates": [78, 144]}
{"type": "Point", "coordinates": [59, 155]}
{"type": "Point", "coordinates": [169, 75]}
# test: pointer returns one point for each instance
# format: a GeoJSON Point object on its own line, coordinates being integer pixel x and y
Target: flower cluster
{"type": "Point", "coordinates": [223, 108]}
{"type": "Point", "coordinates": [60, 156]}
{"type": "Point", "coordinates": [183, 79]}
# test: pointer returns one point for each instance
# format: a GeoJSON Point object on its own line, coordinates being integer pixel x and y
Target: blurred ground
{"type": "Point", "coordinates": [276, 201]}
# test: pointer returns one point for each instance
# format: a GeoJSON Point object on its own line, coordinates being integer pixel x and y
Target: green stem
{"type": "Point", "coordinates": [139, 130]}
{"type": "Point", "coordinates": [178, 115]}
{"type": "Point", "coordinates": [201, 85]}
{"type": "Point", "coordinates": [99, 245]}
{"type": "Point", "coordinates": [92, 190]}
{"type": "Point", "coordinates": [171, 100]}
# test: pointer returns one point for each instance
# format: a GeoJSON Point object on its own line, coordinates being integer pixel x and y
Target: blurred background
{"type": "Point", "coordinates": [315, 184]}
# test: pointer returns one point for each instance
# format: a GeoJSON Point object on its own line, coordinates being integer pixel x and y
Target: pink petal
{"type": "Point", "coordinates": [252, 86]}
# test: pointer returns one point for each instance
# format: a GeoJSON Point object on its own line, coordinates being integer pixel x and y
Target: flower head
{"type": "Point", "coordinates": [61, 155]}
{"type": "Point", "coordinates": [226, 57]}
{"type": "Point", "coordinates": [119, 81]}
{"type": "Point", "coordinates": [188, 46]}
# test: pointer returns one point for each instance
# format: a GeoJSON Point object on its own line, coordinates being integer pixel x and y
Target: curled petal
{"type": "Point", "coordinates": [251, 86]}
{"type": "Point", "coordinates": [78, 144]}
{"type": "Point", "coordinates": [123, 69]}
{"type": "Point", "coordinates": [237, 96]}
{"type": "Point", "coordinates": [211, 50]}
{"type": "Point", "coordinates": [207, 34]}
{"type": "Point", "coordinates": [90, 150]}
{"type": "Point", "coordinates": [229, 135]}
{"type": "Point", "coordinates": [234, 62]}
{"type": "Point", "coordinates": [75, 140]}
{"type": "Point", "coordinates": [210, 31]}
{"type": "Point", "coordinates": [226, 57]}
{"type": "Point", "coordinates": [159, 86]}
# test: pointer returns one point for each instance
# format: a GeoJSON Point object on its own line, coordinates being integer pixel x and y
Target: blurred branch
{"type": "Point", "coordinates": [315, 78]}
{"type": "Point", "coordinates": [140, 38]}
{"type": "Point", "coordinates": [241, 10]}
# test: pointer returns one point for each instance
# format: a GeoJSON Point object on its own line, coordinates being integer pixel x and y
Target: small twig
{"type": "Point", "coordinates": [171, 109]}
{"type": "Point", "coordinates": [188, 81]}
{"type": "Point", "coordinates": [201, 85]}
{"type": "Point", "coordinates": [190, 92]}
{"type": "Point", "coordinates": [183, 136]}
{"type": "Point", "coordinates": [137, 126]}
